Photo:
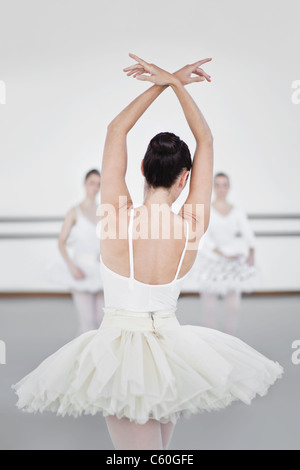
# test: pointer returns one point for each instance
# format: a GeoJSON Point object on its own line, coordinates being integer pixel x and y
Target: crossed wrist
{"type": "Point", "coordinates": [175, 82]}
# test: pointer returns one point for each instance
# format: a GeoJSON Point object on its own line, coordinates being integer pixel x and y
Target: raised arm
{"type": "Point", "coordinates": [114, 162]}
{"type": "Point", "coordinates": [202, 170]}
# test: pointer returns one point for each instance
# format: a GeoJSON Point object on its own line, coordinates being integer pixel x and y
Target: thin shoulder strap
{"type": "Point", "coordinates": [130, 235]}
{"type": "Point", "coordinates": [184, 250]}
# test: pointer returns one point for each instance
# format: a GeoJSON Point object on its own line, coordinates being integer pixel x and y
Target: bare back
{"type": "Point", "coordinates": [156, 258]}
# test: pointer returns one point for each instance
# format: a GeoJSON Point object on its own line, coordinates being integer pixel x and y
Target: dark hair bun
{"type": "Point", "coordinates": [164, 145]}
{"type": "Point", "coordinates": [166, 157]}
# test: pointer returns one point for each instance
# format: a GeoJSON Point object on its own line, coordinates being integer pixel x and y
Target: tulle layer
{"type": "Point", "coordinates": [58, 273]}
{"type": "Point", "coordinates": [216, 274]}
{"type": "Point", "coordinates": [147, 368]}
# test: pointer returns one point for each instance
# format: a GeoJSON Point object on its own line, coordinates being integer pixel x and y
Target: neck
{"type": "Point", "coordinates": [158, 196]}
{"type": "Point", "coordinates": [89, 201]}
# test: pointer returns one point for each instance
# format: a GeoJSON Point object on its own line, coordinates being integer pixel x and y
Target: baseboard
{"type": "Point", "coordinates": [183, 294]}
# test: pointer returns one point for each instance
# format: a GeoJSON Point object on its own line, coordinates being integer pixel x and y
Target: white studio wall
{"type": "Point", "coordinates": [61, 70]}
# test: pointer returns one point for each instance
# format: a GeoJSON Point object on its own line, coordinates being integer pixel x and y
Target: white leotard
{"type": "Point", "coordinates": [223, 229]}
{"type": "Point", "coordinates": [84, 244]}
{"type": "Point", "coordinates": [83, 237]}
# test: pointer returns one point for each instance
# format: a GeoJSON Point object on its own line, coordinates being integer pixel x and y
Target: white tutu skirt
{"type": "Point", "coordinates": [58, 273]}
{"type": "Point", "coordinates": [215, 274]}
{"type": "Point", "coordinates": [143, 366]}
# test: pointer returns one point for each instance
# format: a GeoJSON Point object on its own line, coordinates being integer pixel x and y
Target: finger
{"type": "Point", "coordinates": [199, 69]}
{"type": "Point", "coordinates": [138, 73]}
{"type": "Point", "coordinates": [201, 62]}
{"type": "Point", "coordinates": [197, 72]}
{"type": "Point", "coordinates": [136, 70]}
{"type": "Point", "coordinates": [200, 78]}
{"type": "Point", "coordinates": [196, 79]}
{"type": "Point", "coordinates": [141, 76]}
{"type": "Point", "coordinates": [131, 73]}
{"type": "Point", "coordinates": [138, 59]}
{"type": "Point", "coordinates": [201, 72]}
{"type": "Point", "coordinates": [132, 67]}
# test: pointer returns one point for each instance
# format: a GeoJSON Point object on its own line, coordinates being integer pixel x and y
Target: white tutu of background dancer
{"type": "Point", "coordinates": [220, 274]}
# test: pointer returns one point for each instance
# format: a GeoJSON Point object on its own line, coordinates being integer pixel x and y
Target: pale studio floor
{"type": "Point", "coordinates": [34, 328]}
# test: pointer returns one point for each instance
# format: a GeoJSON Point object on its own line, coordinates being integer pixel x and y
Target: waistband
{"type": "Point", "coordinates": [125, 312]}
{"type": "Point", "coordinates": [153, 316]}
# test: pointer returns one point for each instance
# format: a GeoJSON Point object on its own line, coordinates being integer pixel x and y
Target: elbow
{"type": "Point", "coordinates": [206, 139]}
{"type": "Point", "coordinates": [110, 126]}
{"type": "Point", "coordinates": [209, 138]}
{"type": "Point", "coordinates": [115, 126]}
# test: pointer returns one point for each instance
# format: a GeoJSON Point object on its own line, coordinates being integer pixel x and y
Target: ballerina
{"type": "Point", "coordinates": [222, 269]}
{"type": "Point", "coordinates": [143, 369]}
{"type": "Point", "coordinates": [80, 272]}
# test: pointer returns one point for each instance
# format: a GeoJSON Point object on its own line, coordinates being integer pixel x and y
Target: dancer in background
{"type": "Point", "coordinates": [80, 272]}
{"type": "Point", "coordinates": [143, 369]}
{"type": "Point", "coordinates": [222, 270]}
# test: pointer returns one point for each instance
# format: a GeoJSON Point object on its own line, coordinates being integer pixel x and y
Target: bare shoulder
{"type": "Point", "coordinates": [118, 215]}
{"type": "Point", "coordinates": [69, 222]}
{"type": "Point", "coordinates": [71, 215]}
{"type": "Point", "coordinates": [196, 222]}
{"type": "Point", "coordinates": [194, 232]}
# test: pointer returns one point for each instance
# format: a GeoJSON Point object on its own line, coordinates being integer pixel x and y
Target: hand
{"type": "Point", "coordinates": [156, 74]}
{"type": "Point", "coordinates": [250, 259]}
{"type": "Point", "coordinates": [233, 257]}
{"type": "Point", "coordinates": [77, 273]}
{"type": "Point", "coordinates": [184, 74]}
